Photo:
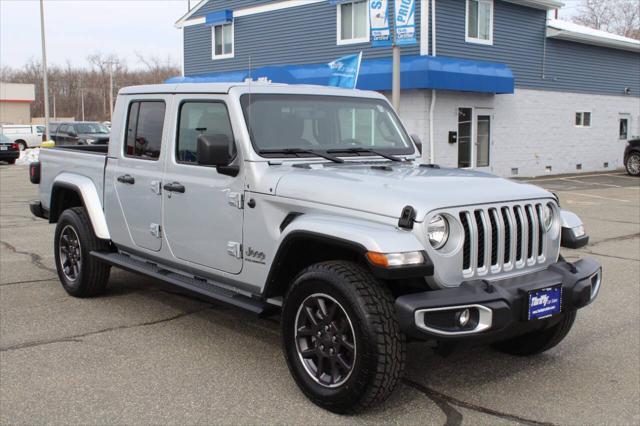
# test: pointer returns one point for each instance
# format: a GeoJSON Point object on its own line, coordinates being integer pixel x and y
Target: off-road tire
{"type": "Point", "coordinates": [538, 341]}
{"type": "Point", "coordinates": [380, 346]}
{"type": "Point", "coordinates": [93, 274]}
{"type": "Point", "coordinates": [632, 164]}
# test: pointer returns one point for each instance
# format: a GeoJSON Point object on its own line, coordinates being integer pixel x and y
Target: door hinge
{"type": "Point", "coordinates": [234, 249]}
{"type": "Point", "coordinates": [155, 186]}
{"type": "Point", "coordinates": [156, 230]}
{"type": "Point", "coordinates": [235, 199]}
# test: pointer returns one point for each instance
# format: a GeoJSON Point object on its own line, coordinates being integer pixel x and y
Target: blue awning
{"type": "Point", "coordinates": [416, 72]}
{"type": "Point", "coordinates": [219, 17]}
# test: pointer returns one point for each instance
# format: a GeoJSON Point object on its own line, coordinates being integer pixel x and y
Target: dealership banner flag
{"type": "Point", "coordinates": [345, 70]}
{"type": "Point", "coordinates": [379, 23]}
{"type": "Point", "coordinates": [405, 24]}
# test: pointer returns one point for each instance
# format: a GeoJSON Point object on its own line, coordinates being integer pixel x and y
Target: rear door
{"type": "Point", "coordinates": [136, 174]}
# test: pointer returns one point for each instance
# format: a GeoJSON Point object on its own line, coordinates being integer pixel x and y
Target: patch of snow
{"type": "Point", "coordinates": [559, 24]}
{"type": "Point", "coordinates": [28, 156]}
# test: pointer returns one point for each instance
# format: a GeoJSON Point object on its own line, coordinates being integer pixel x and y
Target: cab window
{"type": "Point", "coordinates": [145, 122]}
{"type": "Point", "coordinates": [197, 118]}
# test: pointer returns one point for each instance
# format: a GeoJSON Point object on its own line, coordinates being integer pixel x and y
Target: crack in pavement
{"type": "Point", "coordinates": [27, 282]}
{"type": "Point", "coordinates": [620, 238]}
{"type": "Point", "coordinates": [78, 337]}
{"type": "Point", "coordinates": [36, 259]}
{"type": "Point", "coordinates": [454, 417]}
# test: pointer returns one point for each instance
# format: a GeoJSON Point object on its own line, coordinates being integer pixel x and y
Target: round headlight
{"type": "Point", "coordinates": [438, 231]}
{"type": "Point", "coordinates": [547, 217]}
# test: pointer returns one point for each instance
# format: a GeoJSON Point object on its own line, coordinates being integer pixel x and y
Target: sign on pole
{"type": "Point", "coordinates": [345, 70]}
{"type": "Point", "coordinates": [405, 25]}
{"type": "Point", "coordinates": [379, 23]}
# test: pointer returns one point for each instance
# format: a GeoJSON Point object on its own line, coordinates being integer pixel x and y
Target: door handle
{"type": "Point", "coordinates": [126, 179]}
{"type": "Point", "coordinates": [174, 187]}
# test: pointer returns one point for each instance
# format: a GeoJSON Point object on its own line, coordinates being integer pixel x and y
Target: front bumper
{"type": "Point", "coordinates": [499, 308]}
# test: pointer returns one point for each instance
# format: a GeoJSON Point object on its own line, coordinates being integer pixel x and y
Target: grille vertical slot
{"type": "Point", "coordinates": [478, 215]}
{"type": "Point", "coordinates": [519, 232]}
{"type": "Point", "coordinates": [466, 248]}
{"type": "Point", "coordinates": [506, 218]}
{"type": "Point", "coordinates": [542, 230]}
{"type": "Point", "coordinates": [531, 232]}
{"type": "Point", "coordinates": [493, 219]}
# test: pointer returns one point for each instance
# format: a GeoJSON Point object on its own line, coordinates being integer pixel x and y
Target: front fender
{"type": "Point", "coordinates": [370, 236]}
{"type": "Point", "coordinates": [90, 198]}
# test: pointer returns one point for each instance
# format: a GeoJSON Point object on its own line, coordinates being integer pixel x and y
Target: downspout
{"type": "Point", "coordinates": [433, 91]}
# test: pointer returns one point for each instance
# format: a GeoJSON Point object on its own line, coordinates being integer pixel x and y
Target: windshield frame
{"type": "Point", "coordinates": [408, 151]}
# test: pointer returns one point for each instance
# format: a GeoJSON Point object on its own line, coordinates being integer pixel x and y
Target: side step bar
{"type": "Point", "coordinates": [200, 287]}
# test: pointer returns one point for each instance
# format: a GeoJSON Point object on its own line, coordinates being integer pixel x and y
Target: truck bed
{"type": "Point", "coordinates": [83, 160]}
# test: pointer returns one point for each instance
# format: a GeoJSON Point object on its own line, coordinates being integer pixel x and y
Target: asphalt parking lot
{"type": "Point", "coordinates": [142, 355]}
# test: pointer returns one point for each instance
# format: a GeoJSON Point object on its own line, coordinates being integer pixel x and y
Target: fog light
{"type": "Point", "coordinates": [464, 317]}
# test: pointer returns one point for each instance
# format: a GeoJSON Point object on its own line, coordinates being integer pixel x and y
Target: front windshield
{"type": "Point", "coordinates": [91, 128]}
{"type": "Point", "coordinates": [322, 123]}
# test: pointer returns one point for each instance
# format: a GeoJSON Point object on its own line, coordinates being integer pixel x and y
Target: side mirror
{"type": "Point", "coordinates": [219, 151]}
{"type": "Point", "coordinates": [418, 142]}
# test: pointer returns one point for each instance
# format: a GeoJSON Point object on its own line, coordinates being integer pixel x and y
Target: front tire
{"type": "Point", "coordinates": [633, 164]}
{"type": "Point", "coordinates": [538, 341]}
{"type": "Point", "coordinates": [81, 274]}
{"type": "Point", "coordinates": [341, 338]}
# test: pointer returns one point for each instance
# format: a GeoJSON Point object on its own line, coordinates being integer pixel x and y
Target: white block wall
{"type": "Point", "coordinates": [532, 129]}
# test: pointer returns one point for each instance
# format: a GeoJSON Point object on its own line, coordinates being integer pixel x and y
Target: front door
{"type": "Point", "coordinates": [203, 209]}
{"type": "Point", "coordinates": [137, 172]}
{"type": "Point", "coordinates": [474, 137]}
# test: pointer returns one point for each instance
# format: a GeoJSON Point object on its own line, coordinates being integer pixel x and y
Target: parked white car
{"type": "Point", "coordinates": [25, 135]}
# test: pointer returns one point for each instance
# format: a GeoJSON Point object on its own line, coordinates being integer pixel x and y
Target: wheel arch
{"type": "Point", "coordinates": [310, 239]}
{"type": "Point", "coordinates": [69, 191]}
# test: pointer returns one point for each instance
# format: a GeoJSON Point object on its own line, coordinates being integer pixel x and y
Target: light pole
{"type": "Point", "coordinates": [44, 71]}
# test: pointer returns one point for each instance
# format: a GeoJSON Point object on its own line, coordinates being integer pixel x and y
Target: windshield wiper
{"type": "Point", "coordinates": [357, 150]}
{"type": "Point", "coordinates": [296, 151]}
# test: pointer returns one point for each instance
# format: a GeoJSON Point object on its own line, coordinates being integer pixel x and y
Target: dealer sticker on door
{"type": "Point", "coordinates": [545, 302]}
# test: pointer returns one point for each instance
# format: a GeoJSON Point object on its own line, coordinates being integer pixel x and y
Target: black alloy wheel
{"type": "Point", "coordinates": [325, 340]}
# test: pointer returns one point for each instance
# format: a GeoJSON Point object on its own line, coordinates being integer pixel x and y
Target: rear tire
{"type": "Point", "coordinates": [22, 144]}
{"type": "Point", "coordinates": [538, 341]}
{"type": "Point", "coordinates": [12, 161]}
{"type": "Point", "coordinates": [81, 275]}
{"type": "Point", "coordinates": [633, 164]}
{"type": "Point", "coordinates": [341, 338]}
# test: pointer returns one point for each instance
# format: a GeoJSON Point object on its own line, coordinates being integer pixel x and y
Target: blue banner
{"type": "Point", "coordinates": [345, 70]}
{"type": "Point", "coordinates": [379, 23]}
{"type": "Point", "coordinates": [405, 24]}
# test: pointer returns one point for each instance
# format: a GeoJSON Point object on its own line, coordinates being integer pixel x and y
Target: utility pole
{"type": "Point", "coordinates": [395, 77]}
{"type": "Point", "coordinates": [82, 97]}
{"type": "Point", "coordinates": [189, 5]}
{"type": "Point", "coordinates": [111, 62]}
{"type": "Point", "coordinates": [44, 72]}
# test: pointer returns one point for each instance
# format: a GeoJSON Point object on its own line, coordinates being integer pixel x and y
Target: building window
{"type": "Point", "coordinates": [479, 21]}
{"type": "Point", "coordinates": [624, 129]}
{"type": "Point", "coordinates": [222, 41]}
{"type": "Point", "coordinates": [583, 119]}
{"type": "Point", "coordinates": [353, 22]}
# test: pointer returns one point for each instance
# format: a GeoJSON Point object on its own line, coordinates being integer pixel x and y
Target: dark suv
{"type": "Point", "coordinates": [80, 133]}
{"type": "Point", "coordinates": [632, 157]}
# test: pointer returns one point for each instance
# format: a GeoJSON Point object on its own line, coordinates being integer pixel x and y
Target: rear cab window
{"type": "Point", "coordinates": [145, 123]}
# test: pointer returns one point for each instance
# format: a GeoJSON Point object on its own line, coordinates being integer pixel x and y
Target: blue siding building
{"type": "Point", "coordinates": [523, 93]}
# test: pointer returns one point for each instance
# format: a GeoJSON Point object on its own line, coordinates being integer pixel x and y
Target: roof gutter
{"type": "Point", "coordinates": [595, 40]}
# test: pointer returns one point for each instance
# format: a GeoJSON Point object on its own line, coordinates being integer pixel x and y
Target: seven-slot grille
{"type": "Point", "coordinates": [500, 238]}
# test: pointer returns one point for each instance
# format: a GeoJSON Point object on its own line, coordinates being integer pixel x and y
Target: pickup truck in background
{"type": "Point", "coordinates": [313, 202]}
{"type": "Point", "coordinates": [25, 135]}
{"type": "Point", "coordinates": [79, 133]}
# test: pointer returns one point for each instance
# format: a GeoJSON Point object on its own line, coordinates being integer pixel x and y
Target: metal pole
{"type": "Point", "coordinates": [189, 5]}
{"type": "Point", "coordinates": [44, 72]}
{"type": "Point", "coordinates": [82, 101]}
{"type": "Point", "coordinates": [395, 78]}
{"type": "Point", "coordinates": [111, 91]}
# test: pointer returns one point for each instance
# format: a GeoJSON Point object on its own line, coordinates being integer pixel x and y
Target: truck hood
{"type": "Point", "coordinates": [385, 188]}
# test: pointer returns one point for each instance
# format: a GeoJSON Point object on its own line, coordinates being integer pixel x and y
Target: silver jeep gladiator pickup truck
{"type": "Point", "coordinates": [313, 202]}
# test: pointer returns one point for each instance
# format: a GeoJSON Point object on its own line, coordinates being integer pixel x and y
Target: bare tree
{"type": "Point", "coordinates": [615, 16]}
{"type": "Point", "coordinates": [69, 84]}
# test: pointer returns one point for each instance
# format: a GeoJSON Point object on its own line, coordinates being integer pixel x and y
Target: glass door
{"type": "Point", "coordinates": [474, 137]}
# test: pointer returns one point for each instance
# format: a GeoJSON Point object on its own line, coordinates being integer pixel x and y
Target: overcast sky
{"type": "Point", "coordinates": [78, 28]}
